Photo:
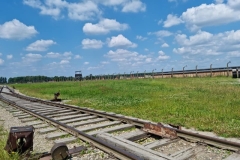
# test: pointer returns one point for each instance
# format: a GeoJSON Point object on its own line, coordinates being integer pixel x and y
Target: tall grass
{"type": "Point", "coordinates": [207, 104]}
{"type": "Point", "coordinates": [3, 139]}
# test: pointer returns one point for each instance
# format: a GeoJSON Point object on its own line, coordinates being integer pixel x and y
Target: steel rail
{"type": "Point", "coordinates": [221, 143]}
{"type": "Point", "coordinates": [98, 143]}
{"type": "Point", "coordinates": [140, 123]}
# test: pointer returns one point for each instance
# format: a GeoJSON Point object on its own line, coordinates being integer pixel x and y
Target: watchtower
{"type": "Point", "coordinates": [78, 75]}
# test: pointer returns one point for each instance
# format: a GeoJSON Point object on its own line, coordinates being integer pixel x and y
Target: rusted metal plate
{"type": "Point", "coordinates": [159, 129]}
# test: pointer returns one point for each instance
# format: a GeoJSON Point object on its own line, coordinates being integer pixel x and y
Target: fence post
{"type": "Point", "coordinates": [237, 73]}
{"type": "Point", "coordinates": [196, 71]}
{"type": "Point", "coordinates": [228, 69]}
{"type": "Point", "coordinates": [211, 70]}
{"type": "Point", "coordinates": [183, 70]}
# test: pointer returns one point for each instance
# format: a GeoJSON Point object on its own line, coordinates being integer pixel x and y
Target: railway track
{"type": "Point", "coordinates": [120, 136]}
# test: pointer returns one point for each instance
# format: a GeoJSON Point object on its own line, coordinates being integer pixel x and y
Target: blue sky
{"type": "Point", "coordinates": [59, 37]}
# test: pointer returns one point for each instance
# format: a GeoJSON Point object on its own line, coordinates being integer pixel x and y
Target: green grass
{"type": "Point", "coordinates": [207, 104]}
{"type": "Point", "coordinates": [3, 139]}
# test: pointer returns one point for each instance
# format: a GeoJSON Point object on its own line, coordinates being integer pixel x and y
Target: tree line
{"type": "Point", "coordinates": [34, 79]}
{"type": "Point", "coordinates": [3, 80]}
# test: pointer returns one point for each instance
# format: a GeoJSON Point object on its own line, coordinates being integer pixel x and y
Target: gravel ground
{"type": "Point", "coordinates": [40, 144]}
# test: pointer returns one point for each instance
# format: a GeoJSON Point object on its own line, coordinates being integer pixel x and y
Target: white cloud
{"type": "Point", "coordinates": [234, 54]}
{"type": "Point", "coordinates": [148, 60]}
{"type": "Point", "coordinates": [55, 12]}
{"type": "Point", "coordinates": [77, 57]}
{"type": "Point", "coordinates": [111, 2]}
{"type": "Point", "coordinates": [234, 4]}
{"type": "Point", "coordinates": [64, 62]}
{"type": "Point", "coordinates": [122, 55]}
{"type": "Point", "coordinates": [204, 43]}
{"type": "Point", "coordinates": [86, 10]}
{"type": "Point", "coordinates": [1, 61]}
{"type": "Point", "coordinates": [64, 56]}
{"type": "Point", "coordinates": [207, 15]}
{"type": "Point", "coordinates": [40, 45]}
{"type": "Point", "coordinates": [51, 9]}
{"type": "Point", "coordinates": [91, 43]}
{"type": "Point", "coordinates": [53, 64]}
{"type": "Point", "coordinates": [53, 55]}
{"type": "Point", "coordinates": [32, 3]}
{"type": "Point", "coordinates": [183, 50]}
{"type": "Point", "coordinates": [9, 56]}
{"type": "Point", "coordinates": [210, 15]}
{"type": "Point", "coordinates": [162, 56]}
{"type": "Point", "coordinates": [56, 3]}
{"type": "Point", "coordinates": [120, 41]}
{"type": "Point", "coordinates": [171, 21]}
{"type": "Point", "coordinates": [141, 38]}
{"type": "Point", "coordinates": [67, 53]}
{"type": "Point", "coordinates": [16, 30]}
{"type": "Point", "coordinates": [125, 58]}
{"type": "Point", "coordinates": [104, 26]}
{"type": "Point", "coordinates": [30, 58]}
{"type": "Point", "coordinates": [161, 33]}
{"type": "Point", "coordinates": [134, 6]}
{"type": "Point", "coordinates": [165, 45]}
{"type": "Point", "coordinates": [86, 63]}
{"type": "Point", "coordinates": [127, 5]}
{"type": "Point", "coordinates": [90, 28]}
{"type": "Point", "coordinates": [104, 62]}
{"type": "Point", "coordinates": [199, 38]}
{"type": "Point", "coordinates": [0, 53]}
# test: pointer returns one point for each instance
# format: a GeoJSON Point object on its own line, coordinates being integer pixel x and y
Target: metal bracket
{"type": "Point", "coordinates": [20, 139]}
